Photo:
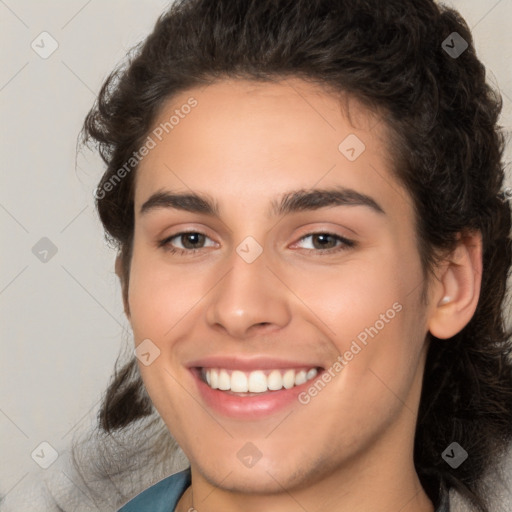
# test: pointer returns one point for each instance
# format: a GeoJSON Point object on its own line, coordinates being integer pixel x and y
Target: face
{"type": "Point", "coordinates": [275, 258]}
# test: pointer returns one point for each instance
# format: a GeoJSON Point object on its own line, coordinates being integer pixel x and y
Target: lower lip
{"type": "Point", "coordinates": [249, 407]}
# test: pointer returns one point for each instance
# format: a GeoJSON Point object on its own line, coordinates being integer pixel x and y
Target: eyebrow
{"type": "Point", "coordinates": [291, 202]}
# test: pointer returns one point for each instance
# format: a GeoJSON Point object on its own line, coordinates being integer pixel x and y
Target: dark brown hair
{"type": "Point", "coordinates": [390, 56]}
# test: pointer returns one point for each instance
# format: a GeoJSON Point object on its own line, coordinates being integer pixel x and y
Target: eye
{"type": "Point", "coordinates": [190, 241]}
{"type": "Point", "coordinates": [328, 242]}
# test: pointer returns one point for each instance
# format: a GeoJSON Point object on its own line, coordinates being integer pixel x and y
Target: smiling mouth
{"type": "Point", "coordinates": [259, 381]}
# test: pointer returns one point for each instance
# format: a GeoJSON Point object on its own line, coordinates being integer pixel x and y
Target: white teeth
{"type": "Point", "coordinates": [214, 379]}
{"type": "Point", "coordinates": [289, 379]}
{"type": "Point", "coordinates": [275, 380]}
{"type": "Point", "coordinates": [300, 378]}
{"type": "Point", "coordinates": [224, 382]}
{"type": "Point", "coordinates": [239, 382]}
{"type": "Point", "coordinates": [257, 381]}
{"type": "Point", "coordinates": [311, 374]}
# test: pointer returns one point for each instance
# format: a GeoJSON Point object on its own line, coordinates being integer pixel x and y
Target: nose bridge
{"type": "Point", "coordinates": [248, 295]}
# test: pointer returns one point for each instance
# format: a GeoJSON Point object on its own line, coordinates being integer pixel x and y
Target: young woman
{"type": "Point", "coordinates": [313, 251]}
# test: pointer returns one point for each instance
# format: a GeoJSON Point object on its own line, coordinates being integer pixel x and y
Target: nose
{"type": "Point", "coordinates": [250, 300]}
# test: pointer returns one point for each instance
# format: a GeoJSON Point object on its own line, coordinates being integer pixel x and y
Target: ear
{"type": "Point", "coordinates": [124, 287]}
{"type": "Point", "coordinates": [456, 293]}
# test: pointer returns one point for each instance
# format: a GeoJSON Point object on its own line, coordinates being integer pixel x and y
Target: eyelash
{"type": "Point", "coordinates": [345, 243]}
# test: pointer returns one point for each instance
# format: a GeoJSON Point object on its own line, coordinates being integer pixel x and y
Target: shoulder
{"type": "Point", "coordinates": [160, 497]}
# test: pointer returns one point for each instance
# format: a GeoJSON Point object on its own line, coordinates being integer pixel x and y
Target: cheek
{"type": "Point", "coordinates": [369, 311]}
{"type": "Point", "coordinates": [160, 296]}
{"type": "Point", "coordinates": [349, 298]}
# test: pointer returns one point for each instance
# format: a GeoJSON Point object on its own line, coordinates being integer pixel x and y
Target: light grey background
{"type": "Point", "coordinates": [62, 322]}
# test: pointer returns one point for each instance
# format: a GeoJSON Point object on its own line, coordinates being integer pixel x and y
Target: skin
{"type": "Point", "coordinates": [350, 448]}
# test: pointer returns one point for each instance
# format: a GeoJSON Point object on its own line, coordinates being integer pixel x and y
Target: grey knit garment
{"type": "Point", "coordinates": [115, 468]}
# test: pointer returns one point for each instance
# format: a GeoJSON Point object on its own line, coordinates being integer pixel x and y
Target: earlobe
{"type": "Point", "coordinates": [458, 289]}
{"type": "Point", "coordinates": [124, 289]}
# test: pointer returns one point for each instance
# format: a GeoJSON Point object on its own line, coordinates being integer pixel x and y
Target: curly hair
{"type": "Point", "coordinates": [447, 148]}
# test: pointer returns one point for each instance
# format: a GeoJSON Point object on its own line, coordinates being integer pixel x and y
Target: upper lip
{"type": "Point", "coordinates": [249, 364]}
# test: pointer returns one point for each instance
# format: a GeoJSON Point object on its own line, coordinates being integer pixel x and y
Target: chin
{"type": "Point", "coordinates": [265, 477]}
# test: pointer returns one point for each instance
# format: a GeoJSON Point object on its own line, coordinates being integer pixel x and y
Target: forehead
{"type": "Point", "coordinates": [245, 139]}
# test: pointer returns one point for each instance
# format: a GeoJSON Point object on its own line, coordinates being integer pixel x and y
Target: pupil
{"type": "Point", "coordinates": [189, 236]}
{"type": "Point", "coordinates": [323, 239]}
